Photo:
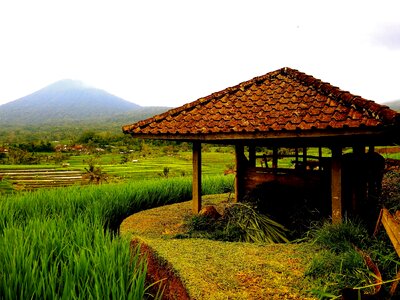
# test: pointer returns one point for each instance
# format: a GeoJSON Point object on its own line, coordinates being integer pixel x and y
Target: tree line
{"type": "Point", "coordinates": [87, 142]}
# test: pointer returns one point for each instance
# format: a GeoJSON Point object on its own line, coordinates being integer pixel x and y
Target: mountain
{"type": "Point", "coordinates": [395, 105]}
{"type": "Point", "coordinates": [64, 101]}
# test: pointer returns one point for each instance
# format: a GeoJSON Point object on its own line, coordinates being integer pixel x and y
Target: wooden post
{"type": "Point", "coordinates": [336, 185]}
{"type": "Point", "coordinates": [358, 190]}
{"type": "Point", "coordinates": [371, 149]}
{"type": "Point", "coordinates": [320, 158]}
{"type": "Point", "coordinates": [252, 155]}
{"type": "Point", "coordinates": [359, 150]}
{"type": "Point", "coordinates": [274, 158]}
{"type": "Point", "coordinates": [305, 156]}
{"type": "Point", "coordinates": [196, 185]}
{"type": "Point", "coordinates": [240, 166]}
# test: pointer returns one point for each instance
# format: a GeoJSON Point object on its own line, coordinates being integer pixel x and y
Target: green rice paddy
{"type": "Point", "coordinates": [62, 243]}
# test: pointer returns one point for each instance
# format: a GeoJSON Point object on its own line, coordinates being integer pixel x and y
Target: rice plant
{"type": "Point", "coordinates": [61, 243]}
{"type": "Point", "coordinates": [68, 259]}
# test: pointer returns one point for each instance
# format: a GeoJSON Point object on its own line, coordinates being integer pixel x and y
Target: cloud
{"type": "Point", "coordinates": [388, 35]}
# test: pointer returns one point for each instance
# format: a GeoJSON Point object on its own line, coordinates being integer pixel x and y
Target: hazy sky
{"type": "Point", "coordinates": [173, 52]}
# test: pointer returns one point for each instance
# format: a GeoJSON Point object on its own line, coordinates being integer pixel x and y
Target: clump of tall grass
{"type": "Point", "coordinates": [61, 243]}
{"type": "Point", "coordinates": [340, 237]}
{"type": "Point", "coordinates": [340, 263]}
{"type": "Point", "coordinates": [240, 222]}
{"type": "Point", "coordinates": [253, 226]}
{"type": "Point", "coordinates": [332, 272]}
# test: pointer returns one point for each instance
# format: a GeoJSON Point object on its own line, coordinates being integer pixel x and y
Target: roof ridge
{"type": "Point", "coordinates": [345, 97]}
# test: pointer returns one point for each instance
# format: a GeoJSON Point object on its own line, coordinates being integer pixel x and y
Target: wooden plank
{"type": "Point", "coordinates": [196, 184]}
{"type": "Point", "coordinates": [336, 186]}
{"type": "Point", "coordinates": [392, 228]}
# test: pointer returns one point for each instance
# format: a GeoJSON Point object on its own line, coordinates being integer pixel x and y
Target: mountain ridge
{"type": "Point", "coordinates": [395, 105]}
{"type": "Point", "coordinates": [67, 100]}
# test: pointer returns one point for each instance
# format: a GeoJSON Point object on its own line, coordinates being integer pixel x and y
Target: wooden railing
{"type": "Point", "coordinates": [254, 176]}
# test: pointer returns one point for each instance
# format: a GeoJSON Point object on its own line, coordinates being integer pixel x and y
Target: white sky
{"type": "Point", "coordinates": [158, 52]}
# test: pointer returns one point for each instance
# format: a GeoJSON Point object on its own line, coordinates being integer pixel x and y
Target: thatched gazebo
{"type": "Point", "coordinates": [285, 109]}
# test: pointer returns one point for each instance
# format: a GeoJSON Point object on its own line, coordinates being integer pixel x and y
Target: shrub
{"type": "Point", "coordinates": [390, 197]}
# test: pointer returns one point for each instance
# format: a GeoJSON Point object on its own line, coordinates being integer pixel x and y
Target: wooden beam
{"type": "Point", "coordinates": [336, 185]}
{"type": "Point", "coordinates": [240, 169]}
{"type": "Point", "coordinates": [293, 139]}
{"type": "Point", "coordinates": [196, 185]}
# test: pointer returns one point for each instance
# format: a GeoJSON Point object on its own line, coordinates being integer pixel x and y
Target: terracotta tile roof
{"type": "Point", "coordinates": [283, 100]}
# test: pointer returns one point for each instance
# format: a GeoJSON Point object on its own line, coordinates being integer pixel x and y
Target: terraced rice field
{"type": "Point", "coordinates": [28, 179]}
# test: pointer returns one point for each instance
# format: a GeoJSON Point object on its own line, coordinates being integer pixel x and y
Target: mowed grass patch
{"type": "Point", "coordinates": [222, 270]}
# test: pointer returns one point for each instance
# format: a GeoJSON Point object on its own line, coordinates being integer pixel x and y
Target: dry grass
{"type": "Point", "coordinates": [222, 270]}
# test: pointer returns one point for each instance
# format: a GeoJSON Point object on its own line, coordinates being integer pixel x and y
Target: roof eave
{"type": "Point", "coordinates": [381, 135]}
